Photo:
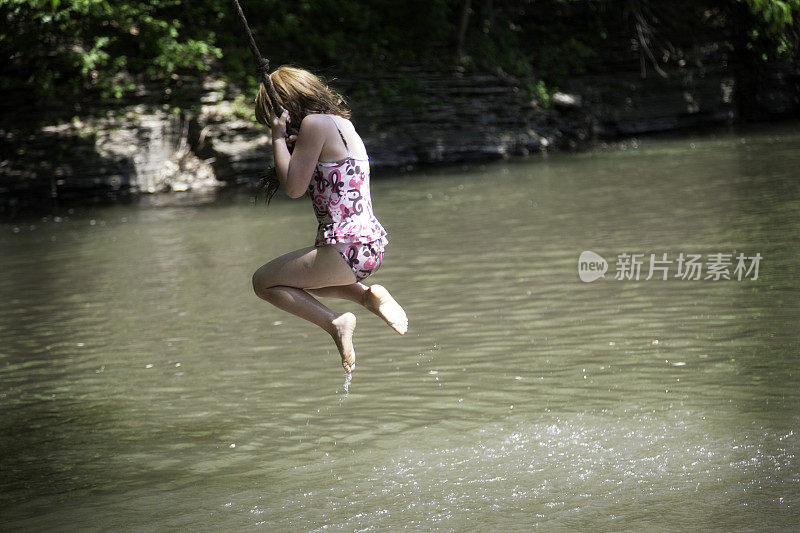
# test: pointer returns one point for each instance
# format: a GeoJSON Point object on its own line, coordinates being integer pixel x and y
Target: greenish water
{"type": "Point", "coordinates": [143, 385]}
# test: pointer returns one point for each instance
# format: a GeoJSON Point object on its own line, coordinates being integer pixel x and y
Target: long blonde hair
{"type": "Point", "coordinates": [301, 93]}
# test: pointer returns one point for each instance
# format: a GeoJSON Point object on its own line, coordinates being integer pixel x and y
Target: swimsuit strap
{"type": "Point", "coordinates": [340, 134]}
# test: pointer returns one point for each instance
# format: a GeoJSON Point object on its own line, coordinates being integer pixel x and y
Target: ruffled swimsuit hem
{"type": "Point", "coordinates": [382, 240]}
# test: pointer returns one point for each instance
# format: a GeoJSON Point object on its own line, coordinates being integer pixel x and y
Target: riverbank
{"type": "Point", "coordinates": [409, 118]}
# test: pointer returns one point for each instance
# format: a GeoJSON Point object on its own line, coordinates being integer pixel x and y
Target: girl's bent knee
{"type": "Point", "coordinates": [265, 293]}
{"type": "Point", "coordinates": [260, 284]}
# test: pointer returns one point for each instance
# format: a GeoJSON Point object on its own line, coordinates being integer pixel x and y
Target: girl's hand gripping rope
{"type": "Point", "coordinates": [279, 126]}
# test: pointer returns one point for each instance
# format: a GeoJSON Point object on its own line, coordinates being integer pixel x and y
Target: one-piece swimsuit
{"type": "Point", "coordinates": [340, 194]}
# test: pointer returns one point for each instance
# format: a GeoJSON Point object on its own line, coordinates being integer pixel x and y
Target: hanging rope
{"type": "Point", "coordinates": [262, 63]}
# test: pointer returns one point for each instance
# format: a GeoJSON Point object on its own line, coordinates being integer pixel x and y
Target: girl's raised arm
{"type": "Point", "coordinates": [296, 169]}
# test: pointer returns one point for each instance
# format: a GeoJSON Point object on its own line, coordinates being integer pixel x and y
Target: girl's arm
{"type": "Point", "coordinates": [296, 169]}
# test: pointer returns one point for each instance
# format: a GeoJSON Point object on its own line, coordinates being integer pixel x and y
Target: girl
{"type": "Point", "coordinates": [330, 164]}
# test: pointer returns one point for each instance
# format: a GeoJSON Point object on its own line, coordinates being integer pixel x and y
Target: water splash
{"type": "Point", "coordinates": [346, 386]}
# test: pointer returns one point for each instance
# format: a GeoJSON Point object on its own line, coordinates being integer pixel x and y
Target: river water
{"type": "Point", "coordinates": [143, 385]}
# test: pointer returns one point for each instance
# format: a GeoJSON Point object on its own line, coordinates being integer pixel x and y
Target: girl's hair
{"type": "Point", "coordinates": [301, 93]}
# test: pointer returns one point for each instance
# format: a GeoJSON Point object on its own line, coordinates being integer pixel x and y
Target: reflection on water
{"type": "Point", "coordinates": [142, 384]}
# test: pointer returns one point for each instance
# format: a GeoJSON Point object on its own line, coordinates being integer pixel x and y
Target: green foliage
{"type": "Point", "coordinates": [98, 44]}
{"type": "Point", "coordinates": [770, 31]}
{"type": "Point", "coordinates": [776, 14]}
{"type": "Point", "coordinates": [242, 105]}
{"type": "Point", "coordinates": [541, 39]}
{"type": "Point", "coordinates": [538, 90]}
{"type": "Point", "coordinates": [106, 47]}
{"type": "Point", "coordinates": [328, 33]}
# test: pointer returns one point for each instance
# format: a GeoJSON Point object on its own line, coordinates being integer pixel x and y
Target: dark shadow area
{"type": "Point", "coordinates": [41, 171]}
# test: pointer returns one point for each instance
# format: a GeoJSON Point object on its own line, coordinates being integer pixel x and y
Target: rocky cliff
{"type": "Point", "coordinates": [408, 118]}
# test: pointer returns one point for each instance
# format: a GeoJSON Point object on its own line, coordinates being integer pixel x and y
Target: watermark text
{"type": "Point", "coordinates": [685, 266]}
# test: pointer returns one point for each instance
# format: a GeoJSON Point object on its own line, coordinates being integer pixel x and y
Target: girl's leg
{"type": "Point", "coordinates": [353, 292]}
{"type": "Point", "coordinates": [282, 280]}
{"type": "Point", "coordinates": [306, 268]}
{"type": "Point", "coordinates": [300, 303]}
{"type": "Point", "coordinates": [375, 298]}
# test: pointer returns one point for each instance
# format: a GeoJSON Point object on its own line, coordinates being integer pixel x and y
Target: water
{"type": "Point", "coordinates": [144, 386]}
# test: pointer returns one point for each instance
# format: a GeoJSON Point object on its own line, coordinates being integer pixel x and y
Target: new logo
{"type": "Point", "coordinates": [591, 266]}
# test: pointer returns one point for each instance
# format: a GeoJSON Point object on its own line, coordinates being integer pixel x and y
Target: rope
{"type": "Point", "coordinates": [262, 63]}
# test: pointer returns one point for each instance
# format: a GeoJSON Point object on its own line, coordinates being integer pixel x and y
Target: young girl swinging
{"type": "Point", "coordinates": [329, 163]}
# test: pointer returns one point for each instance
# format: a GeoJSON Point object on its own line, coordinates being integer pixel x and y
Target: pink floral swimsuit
{"type": "Point", "coordinates": [341, 197]}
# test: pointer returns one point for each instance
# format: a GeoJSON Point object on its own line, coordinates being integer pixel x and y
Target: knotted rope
{"type": "Point", "coordinates": [262, 63]}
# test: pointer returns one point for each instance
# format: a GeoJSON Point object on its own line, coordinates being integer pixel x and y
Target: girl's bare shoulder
{"type": "Point", "coordinates": [314, 120]}
{"type": "Point", "coordinates": [316, 125]}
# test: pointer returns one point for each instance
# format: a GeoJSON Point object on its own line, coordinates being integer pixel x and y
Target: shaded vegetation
{"type": "Point", "coordinates": [106, 48]}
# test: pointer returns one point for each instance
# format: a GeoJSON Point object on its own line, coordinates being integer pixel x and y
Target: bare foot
{"type": "Point", "coordinates": [378, 300]}
{"type": "Point", "coordinates": [342, 333]}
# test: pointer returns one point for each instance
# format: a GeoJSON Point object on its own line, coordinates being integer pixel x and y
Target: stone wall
{"type": "Point", "coordinates": [409, 118]}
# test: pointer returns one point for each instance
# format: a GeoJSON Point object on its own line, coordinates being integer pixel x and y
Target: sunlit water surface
{"type": "Point", "coordinates": [143, 385]}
